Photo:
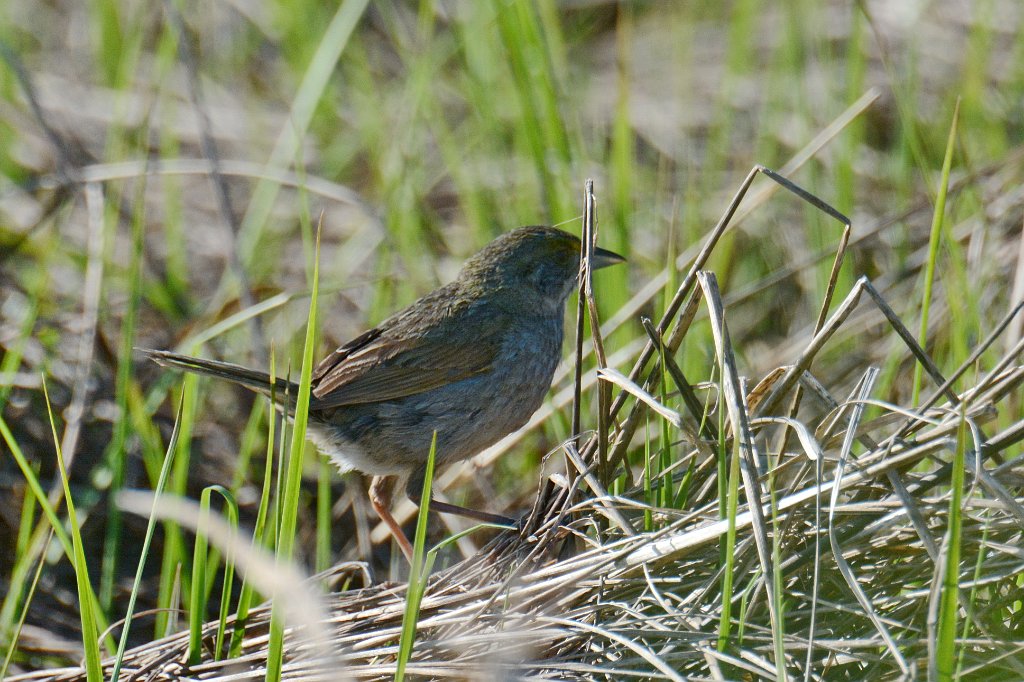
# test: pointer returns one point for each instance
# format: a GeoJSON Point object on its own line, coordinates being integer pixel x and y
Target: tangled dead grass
{"type": "Point", "coordinates": [850, 512]}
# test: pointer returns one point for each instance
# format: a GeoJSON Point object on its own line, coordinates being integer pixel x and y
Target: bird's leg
{"type": "Point", "coordinates": [414, 489]}
{"type": "Point", "coordinates": [380, 498]}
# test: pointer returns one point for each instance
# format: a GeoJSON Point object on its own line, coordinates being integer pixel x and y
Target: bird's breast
{"type": "Point", "coordinates": [522, 374]}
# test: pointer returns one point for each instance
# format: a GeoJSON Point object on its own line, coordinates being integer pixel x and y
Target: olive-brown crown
{"type": "Point", "coordinates": [531, 270]}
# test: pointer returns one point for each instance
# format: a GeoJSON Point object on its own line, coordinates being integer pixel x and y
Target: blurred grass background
{"type": "Point", "coordinates": [416, 132]}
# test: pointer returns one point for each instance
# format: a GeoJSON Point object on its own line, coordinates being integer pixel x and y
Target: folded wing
{"type": "Point", "coordinates": [404, 357]}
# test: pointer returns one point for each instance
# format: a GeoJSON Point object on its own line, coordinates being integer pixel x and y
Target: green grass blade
{"type": "Point", "coordinates": [115, 455]}
{"type": "Point", "coordinates": [732, 503]}
{"type": "Point", "coordinates": [28, 549]}
{"type": "Point", "coordinates": [229, 574]}
{"type": "Point", "coordinates": [165, 471]}
{"type": "Point", "coordinates": [649, 500]}
{"type": "Point", "coordinates": [197, 595]}
{"type": "Point", "coordinates": [201, 568]}
{"type": "Point", "coordinates": [44, 503]}
{"type": "Point", "coordinates": [14, 350]}
{"type": "Point", "coordinates": [938, 219]}
{"type": "Point", "coordinates": [16, 630]}
{"type": "Point", "coordinates": [320, 70]}
{"type": "Point", "coordinates": [235, 320]}
{"type": "Point", "coordinates": [87, 605]}
{"type": "Point", "coordinates": [418, 572]}
{"type": "Point", "coordinates": [263, 512]}
{"type": "Point", "coordinates": [174, 542]}
{"type": "Point", "coordinates": [541, 123]}
{"type": "Point", "coordinates": [949, 606]}
{"type": "Point", "coordinates": [293, 474]}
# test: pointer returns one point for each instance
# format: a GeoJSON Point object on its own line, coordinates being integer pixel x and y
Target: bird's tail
{"type": "Point", "coordinates": [284, 391]}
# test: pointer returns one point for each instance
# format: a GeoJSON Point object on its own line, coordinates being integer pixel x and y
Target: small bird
{"type": "Point", "coordinates": [472, 361]}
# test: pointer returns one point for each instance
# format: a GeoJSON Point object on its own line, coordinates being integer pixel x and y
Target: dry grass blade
{"type": "Point", "coordinates": [583, 616]}
{"type": "Point", "coordinates": [837, 552]}
{"type": "Point", "coordinates": [739, 420]}
{"type": "Point", "coordinates": [570, 597]}
{"type": "Point", "coordinates": [581, 639]}
{"type": "Point", "coordinates": [90, 318]}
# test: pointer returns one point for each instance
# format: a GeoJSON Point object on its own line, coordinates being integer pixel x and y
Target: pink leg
{"type": "Point", "coordinates": [380, 498]}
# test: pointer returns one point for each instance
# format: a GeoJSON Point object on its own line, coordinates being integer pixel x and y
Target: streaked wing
{"type": "Point", "coordinates": [338, 356]}
{"type": "Point", "coordinates": [397, 360]}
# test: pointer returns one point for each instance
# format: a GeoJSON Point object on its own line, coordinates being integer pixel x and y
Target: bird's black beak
{"type": "Point", "coordinates": [602, 258]}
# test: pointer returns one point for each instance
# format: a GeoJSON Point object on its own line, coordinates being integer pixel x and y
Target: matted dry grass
{"type": "Point", "coordinates": [855, 549]}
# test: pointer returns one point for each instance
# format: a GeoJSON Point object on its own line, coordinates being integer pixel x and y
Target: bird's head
{"type": "Point", "coordinates": [531, 270]}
